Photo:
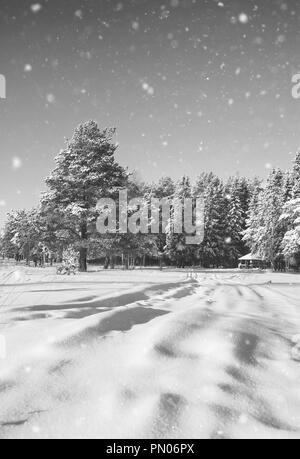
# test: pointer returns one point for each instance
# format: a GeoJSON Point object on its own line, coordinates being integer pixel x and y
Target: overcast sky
{"type": "Point", "coordinates": [190, 85]}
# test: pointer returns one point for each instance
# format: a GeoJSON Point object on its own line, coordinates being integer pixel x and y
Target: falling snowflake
{"type": "Point", "coordinates": [147, 88]}
{"type": "Point", "coordinates": [243, 18]}
{"type": "Point", "coordinates": [36, 7]}
{"type": "Point", "coordinates": [28, 68]}
{"type": "Point", "coordinates": [135, 25]}
{"type": "Point", "coordinates": [16, 163]}
{"type": "Point", "coordinates": [79, 14]}
{"type": "Point", "coordinates": [50, 98]}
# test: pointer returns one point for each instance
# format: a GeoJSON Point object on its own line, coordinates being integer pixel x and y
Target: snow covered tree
{"type": "Point", "coordinates": [254, 219]}
{"type": "Point", "coordinates": [265, 229]}
{"type": "Point", "coordinates": [176, 247]}
{"type": "Point", "coordinates": [85, 171]}
{"type": "Point", "coordinates": [295, 177]}
{"type": "Point", "coordinates": [164, 189]}
{"type": "Point", "coordinates": [291, 240]}
{"type": "Point", "coordinates": [289, 184]}
{"type": "Point", "coordinates": [234, 223]}
{"type": "Point", "coordinates": [22, 233]}
{"type": "Point", "coordinates": [212, 250]}
{"type": "Point", "coordinates": [135, 246]}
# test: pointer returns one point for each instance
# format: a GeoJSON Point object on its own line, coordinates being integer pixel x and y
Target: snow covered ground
{"type": "Point", "coordinates": [146, 354]}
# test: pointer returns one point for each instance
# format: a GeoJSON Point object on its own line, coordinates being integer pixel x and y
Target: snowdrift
{"type": "Point", "coordinates": [149, 355]}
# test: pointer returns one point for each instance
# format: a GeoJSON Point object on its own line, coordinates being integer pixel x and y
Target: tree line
{"type": "Point", "coordinates": [241, 214]}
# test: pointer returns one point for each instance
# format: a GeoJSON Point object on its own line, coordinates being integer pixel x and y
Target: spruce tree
{"type": "Point", "coordinates": [176, 247]}
{"type": "Point", "coordinates": [296, 177]}
{"type": "Point", "coordinates": [235, 222]}
{"type": "Point", "coordinates": [213, 249]}
{"type": "Point", "coordinates": [291, 240]}
{"type": "Point", "coordinates": [265, 229]}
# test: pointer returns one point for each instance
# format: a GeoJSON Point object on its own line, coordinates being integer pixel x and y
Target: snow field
{"type": "Point", "coordinates": [182, 359]}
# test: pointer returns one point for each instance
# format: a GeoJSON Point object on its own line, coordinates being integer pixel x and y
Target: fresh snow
{"type": "Point", "coordinates": [149, 354]}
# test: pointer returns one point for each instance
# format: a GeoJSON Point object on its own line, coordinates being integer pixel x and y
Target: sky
{"type": "Point", "coordinates": [190, 85]}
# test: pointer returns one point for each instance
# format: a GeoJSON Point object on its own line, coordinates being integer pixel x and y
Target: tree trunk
{"type": "Point", "coordinates": [112, 262]}
{"type": "Point", "coordinates": [127, 262]}
{"type": "Point", "coordinates": [160, 263]}
{"type": "Point", "coordinates": [83, 260]}
{"type": "Point", "coordinates": [83, 250]}
{"type": "Point", "coordinates": [106, 263]}
{"type": "Point", "coordinates": [28, 255]}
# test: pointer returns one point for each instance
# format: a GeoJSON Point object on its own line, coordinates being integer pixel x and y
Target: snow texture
{"type": "Point", "coordinates": [149, 355]}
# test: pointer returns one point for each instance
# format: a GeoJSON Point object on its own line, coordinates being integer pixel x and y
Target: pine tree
{"type": "Point", "coordinates": [295, 176]}
{"type": "Point", "coordinates": [235, 222]}
{"type": "Point", "coordinates": [265, 229]}
{"type": "Point", "coordinates": [291, 213]}
{"type": "Point", "coordinates": [23, 233]}
{"type": "Point", "coordinates": [165, 189]}
{"type": "Point", "coordinates": [289, 186]}
{"type": "Point", "coordinates": [254, 219]}
{"type": "Point", "coordinates": [291, 240]}
{"type": "Point", "coordinates": [176, 247]}
{"type": "Point", "coordinates": [213, 249]}
{"type": "Point", "coordinates": [85, 171]}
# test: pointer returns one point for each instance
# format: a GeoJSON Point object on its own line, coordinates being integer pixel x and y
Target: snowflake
{"type": "Point", "coordinates": [79, 14]}
{"type": "Point", "coordinates": [243, 18]}
{"type": "Point", "coordinates": [16, 163]}
{"type": "Point", "coordinates": [147, 88]}
{"type": "Point", "coordinates": [28, 68]}
{"type": "Point", "coordinates": [36, 7]}
{"type": "Point", "coordinates": [50, 98]}
{"type": "Point", "coordinates": [135, 25]}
